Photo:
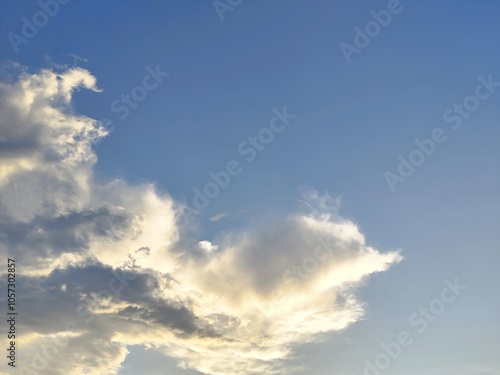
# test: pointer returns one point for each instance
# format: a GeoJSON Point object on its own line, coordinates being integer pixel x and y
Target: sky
{"type": "Point", "coordinates": [250, 187]}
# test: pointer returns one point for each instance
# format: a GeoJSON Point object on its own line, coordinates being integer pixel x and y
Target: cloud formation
{"type": "Point", "coordinates": [105, 265]}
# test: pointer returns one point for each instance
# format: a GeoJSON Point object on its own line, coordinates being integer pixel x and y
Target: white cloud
{"type": "Point", "coordinates": [218, 216]}
{"type": "Point", "coordinates": [207, 246]}
{"type": "Point", "coordinates": [239, 306]}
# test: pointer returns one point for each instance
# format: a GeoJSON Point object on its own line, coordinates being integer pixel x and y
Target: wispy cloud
{"type": "Point", "coordinates": [219, 216]}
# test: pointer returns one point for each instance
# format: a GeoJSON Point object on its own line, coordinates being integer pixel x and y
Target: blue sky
{"type": "Point", "coordinates": [350, 121]}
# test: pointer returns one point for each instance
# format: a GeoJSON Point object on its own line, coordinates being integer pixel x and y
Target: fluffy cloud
{"type": "Point", "coordinates": [105, 265]}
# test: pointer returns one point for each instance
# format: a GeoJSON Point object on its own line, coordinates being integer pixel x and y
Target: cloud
{"type": "Point", "coordinates": [207, 246]}
{"type": "Point", "coordinates": [218, 216]}
{"type": "Point", "coordinates": [106, 265]}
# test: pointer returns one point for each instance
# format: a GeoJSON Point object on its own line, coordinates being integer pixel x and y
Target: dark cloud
{"type": "Point", "coordinates": [45, 238]}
